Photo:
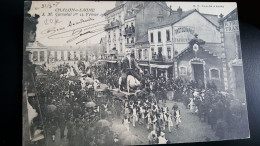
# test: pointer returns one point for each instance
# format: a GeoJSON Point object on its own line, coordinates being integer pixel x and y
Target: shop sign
{"type": "Point", "coordinates": [231, 26]}
{"type": "Point", "coordinates": [183, 34]}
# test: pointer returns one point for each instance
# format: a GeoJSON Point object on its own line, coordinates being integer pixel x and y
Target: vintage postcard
{"type": "Point", "coordinates": [132, 73]}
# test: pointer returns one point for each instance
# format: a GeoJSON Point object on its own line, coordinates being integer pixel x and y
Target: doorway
{"type": "Point", "coordinates": [198, 72]}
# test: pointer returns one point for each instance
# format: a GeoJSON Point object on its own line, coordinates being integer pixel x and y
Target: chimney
{"type": "Point", "coordinates": [179, 10]}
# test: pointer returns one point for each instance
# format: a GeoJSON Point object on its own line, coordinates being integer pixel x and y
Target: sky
{"type": "Point", "coordinates": [205, 7]}
{"type": "Point", "coordinates": [55, 27]}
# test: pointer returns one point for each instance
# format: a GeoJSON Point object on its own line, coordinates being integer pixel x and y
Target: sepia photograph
{"type": "Point", "coordinates": [112, 73]}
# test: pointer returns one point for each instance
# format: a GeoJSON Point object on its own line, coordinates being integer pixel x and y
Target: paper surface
{"type": "Point", "coordinates": [133, 73]}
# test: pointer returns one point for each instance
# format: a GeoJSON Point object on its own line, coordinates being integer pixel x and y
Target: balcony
{"type": "Point", "coordinates": [111, 25]}
{"type": "Point", "coordinates": [161, 60]}
{"type": "Point", "coordinates": [129, 31]}
{"type": "Point", "coordinates": [130, 45]}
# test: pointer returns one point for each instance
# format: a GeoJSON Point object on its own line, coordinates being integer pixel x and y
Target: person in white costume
{"type": "Point", "coordinates": [162, 139]}
{"type": "Point", "coordinates": [126, 123]}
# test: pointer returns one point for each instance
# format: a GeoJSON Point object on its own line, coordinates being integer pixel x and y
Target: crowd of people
{"type": "Point", "coordinates": [144, 108]}
{"type": "Point", "coordinates": [209, 103]}
{"type": "Point", "coordinates": [63, 103]}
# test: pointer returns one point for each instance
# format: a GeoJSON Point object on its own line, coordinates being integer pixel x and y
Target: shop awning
{"type": "Point", "coordinates": [161, 66]}
{"type": "Point", "coordinates": [157, 66]}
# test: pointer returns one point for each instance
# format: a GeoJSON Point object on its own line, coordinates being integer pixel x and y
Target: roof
{"type": "Point", "coordinates": [213, 18]}
{"type": "Point", "coordinates": [229, 14]}
{"type": "Point", "coordinates": [174, 18]}
{"type": "Point", "coordinates": [211, 48]}
{"type": "Point", "coordinates": [35, 45]}
{"type": "Point", "coordinates": [114, 9]}
{"type": "Point", "coordinates": [137, 10]}
{"type": "Point", "coordinates": [143, 39]}
{"type": "Point", "coordinates": [71, 48]}
{"type": "Point", "coordinates": [214, 49]}
{"type": "Point", "coordinates": [163, 5]}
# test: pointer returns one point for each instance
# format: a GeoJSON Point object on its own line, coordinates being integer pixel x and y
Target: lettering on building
{"type": "Point", "coordinates": [183, 34]}
{"type": "Point", "coordinates": [231, 26]}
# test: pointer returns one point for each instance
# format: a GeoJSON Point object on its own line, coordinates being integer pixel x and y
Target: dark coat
{"type": "Point", "coordinates": [125, 64]}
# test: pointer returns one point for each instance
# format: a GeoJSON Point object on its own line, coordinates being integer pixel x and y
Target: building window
{"type": "Point", "coordinates": [41, 55]}
{"type": "Point", "coordinates": [183, 70]}
{"type": "Point", "coordinates": [81, 56]}
{"type": "Point", "coordinates": [152, 53]}
{"type": "Point", "coordinates": [214, 73]}
{"type": "Point", "coordinates": [62, 55]}
{"type": "Point", "coordinates": [169, 53]}
{"type": "Point", "coordinates": [55, 56]}
{"type": "Point", "coordinates": [145, 54]}
{"type": "Point", "coordinates": [108, 36]}
{"type": "Point", "coordinates": [159, 36]}
{"type": "Point", "coordinates": [120, 32]}
{"type": "Point", "coordinates": [114, 46]}
{"type": "Point", "coordinates": [121, 47]}
{"type": "Point", "coordinates": [69, 56]}
{"type": "Point", "coordinates": [35, 56]}
{"type": "Point", "coordinates": [140, 54]}
{"type": "Point", "coordinates": [151, 37]}
{"type": "Point", "coordinates": [75, 56]}
{"type": "Point", "coordinates": [127, 40]}
{"type": "Point", "coordinates": [167, 35]}
{"type": "Point", "coordinates": [132, 40]}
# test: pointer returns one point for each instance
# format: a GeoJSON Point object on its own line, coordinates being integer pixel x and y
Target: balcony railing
{"type": "Point", "coordinates": [111, 25]}
{"type": "Point", "coordinates": [129, 31]}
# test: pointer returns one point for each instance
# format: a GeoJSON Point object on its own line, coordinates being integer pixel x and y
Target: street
{"type": "Point", "coordinates": [190, 129]}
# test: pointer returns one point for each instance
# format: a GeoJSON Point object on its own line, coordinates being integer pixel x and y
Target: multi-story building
{"type": "Point", "coordinates": [230, 39]}
{"type": "Point", "coordinates": [128, 24]}
{"type": "Point", "coordinates": [38, 52]}
{"type": "Point", "coordinates": [41, 54]}
{"type": "Point", "coordinates": [114, 38]}
{"type": "Point", "coordinates": [170, 39]}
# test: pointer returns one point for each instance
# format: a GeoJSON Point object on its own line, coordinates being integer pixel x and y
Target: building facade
{"type": "Point", "coordinates": [173, 34]}
{"type": "Point", "coordinates": [41, 54]}
{"type": "Point", "coordinates": [115, 43]}
{"type": "Point", "coordinates": [38, 52]}
{"type": "Point", "coordinates": [201, 62]}
{"type": "Point", "coordinates": [230, 38]}
{"type": "Point", "coordinates": [127, 27]}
